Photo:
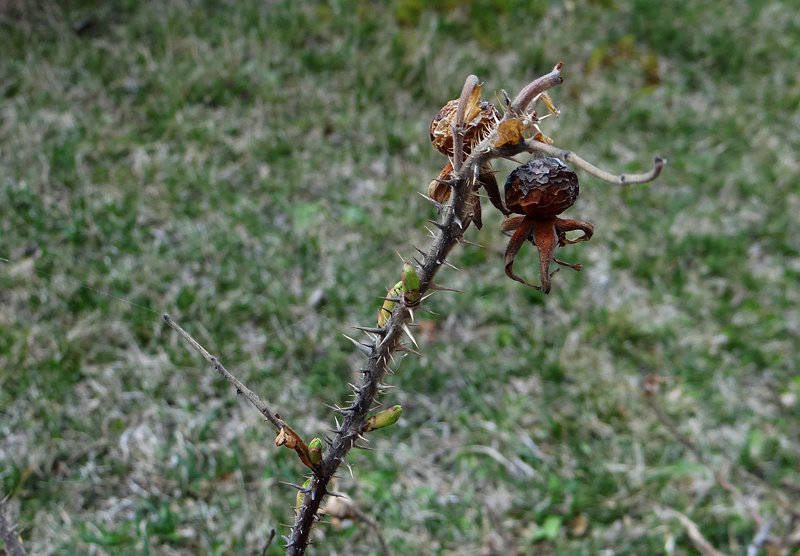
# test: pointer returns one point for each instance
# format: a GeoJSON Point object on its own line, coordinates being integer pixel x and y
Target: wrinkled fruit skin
{"type": "Point", "coordinates": [476, 129]}
{"type": "Point", "coordinates": [543, 187]}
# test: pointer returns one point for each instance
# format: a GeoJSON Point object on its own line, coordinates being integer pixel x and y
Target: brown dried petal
{"type": "Point", "coordinates": [439, 191]}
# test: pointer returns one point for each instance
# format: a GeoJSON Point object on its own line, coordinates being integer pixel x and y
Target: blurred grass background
{"type": "Point", "coordinates": [251, 167]}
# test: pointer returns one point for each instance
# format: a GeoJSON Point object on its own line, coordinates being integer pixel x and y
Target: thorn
{"type": "Point", "coordinates": [364, 371]}
{"type": "Point", "coordinates": [335, 494]}
{"type": "Point", "coordinates": [439, 225]}
{"type": "Point", "coordinates": [420, 251]}
{"type": "Point", "coordinates": [370, 329]}
{"type": "Point", "coordinates": [356, 389]}
{"type": "Point", "coordinates": [458, 222]}
{"type": "Point", "coordinates": [439, 206]}
{"type": "Point", "coordinates": [410, 335]}
{"type": "Point", "coordinates": [431, 232]}
{"type": "Point", "coordinates": [419, 263]}
{"type": "Point", "coordinates": [350, 469]}
{"type": "Point", "coordinates": [366, 349]}
{"type": "Point", "coordinates": [409, 350]}
{"type": "Point", "coordinates": [448, 263]}
{"type": "Point", "coordinates": [298, 487]}
{"type": "Point", "coordinates": [338, 426]}
{"type": "Point", "coordinates": [437, 287]}
{"type": "Point", "coordinates": [468, 242]}
{"type": "Point", "coordinates": [362, 438]}
{"type": "Point", "coordinates": [339, 410]}
{"type": "Point", "coordinates": [383, 386]}
{"type": "Point", "coordinates": [365, 448]}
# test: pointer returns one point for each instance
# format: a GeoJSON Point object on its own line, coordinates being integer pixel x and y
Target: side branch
{"type": "Point", "coordinates": [571, 157]}
{"type": "Point", "coordinates": [535, 88]}
{"type": "Point", "coordinates": [251, 396]}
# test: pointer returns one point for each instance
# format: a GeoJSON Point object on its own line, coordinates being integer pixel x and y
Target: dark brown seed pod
{"type": "Point", "coordinates": [543, 187]}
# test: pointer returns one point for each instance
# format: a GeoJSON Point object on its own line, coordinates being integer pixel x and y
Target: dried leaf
{"type": "Point", "coordinates": [509, 133]}
{"type": "Point", "coordinates": [549, 103]}
{"type": "Point", "coordinates": [473, 105]}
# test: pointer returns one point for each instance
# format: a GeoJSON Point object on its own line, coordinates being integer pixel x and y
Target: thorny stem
{"type": "Point", "coordinates": [379, 350]}
{"type": "Point", "coordinates": [457, 217]}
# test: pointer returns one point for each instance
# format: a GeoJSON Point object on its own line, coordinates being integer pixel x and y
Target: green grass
{"type": "Point", "coordinates": [251, 168]}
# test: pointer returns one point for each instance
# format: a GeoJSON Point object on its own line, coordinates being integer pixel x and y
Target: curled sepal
{"type": "Point", "coordinates": [301, 495]}
{"type": "Point", "coordinates": [389, 302]}
{"type": "Point", "coordinates": [385, 418]}
{"type": "Point", "coordinates": [410, 284]}
{"type": "Point", "coordinates": [315, 451]}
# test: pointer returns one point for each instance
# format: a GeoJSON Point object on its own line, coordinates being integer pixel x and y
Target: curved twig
{"type": "Point", "coordinates": [577, 161]}
{"type": "Point", "coordinates": [536, 87]}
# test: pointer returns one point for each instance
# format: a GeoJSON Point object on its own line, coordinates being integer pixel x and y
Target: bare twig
{"type": "Point", "coordinates": [621, 179]}
{"type": "Point", "coordinates": [697, 538]}
{"type": "Point", "coordinates": [269, 542]}
{"type": "Point", "coordinates": [251, 396]}
{"type": "Point", "coordinates": [535, 88]}
{"type": "Point", "coordinates": [758, 541]}
{"type": "Point", "coordinates": [653, 402]}
{"type": "Point", "coordinates": [11, 541]}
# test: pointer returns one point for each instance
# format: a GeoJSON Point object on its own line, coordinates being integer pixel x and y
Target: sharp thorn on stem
{"type": "Point", "coordinates": [451, 265]}
{"type": "Point", "coordinates": [410, 335]}
{"type": "Point", "coordinates": [409, 350]}
{"type": "Point", "coordinates": [370, 329]}
{"type": "Point", "coordinates": [468, 242]}
{"type": "Point", "coordinates": [437, 287]}
{"type": "Point", "coordinates": [366, 349]}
